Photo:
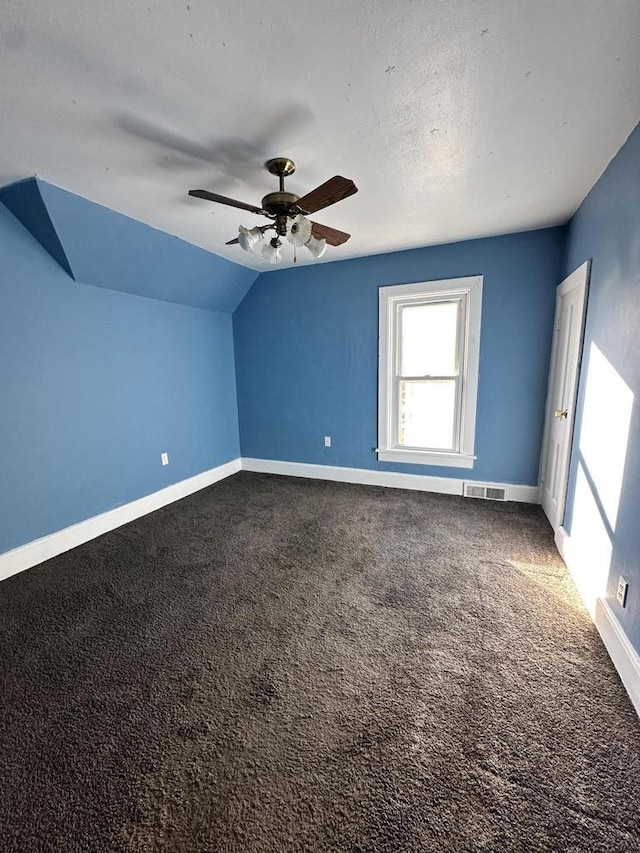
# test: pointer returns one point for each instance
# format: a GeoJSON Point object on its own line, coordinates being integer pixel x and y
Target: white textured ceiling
{"type": "Point", "coordinates": [455, 118]}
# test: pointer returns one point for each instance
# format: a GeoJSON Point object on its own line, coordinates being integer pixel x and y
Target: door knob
{"type": "Point", "coordinates": [561, 413]}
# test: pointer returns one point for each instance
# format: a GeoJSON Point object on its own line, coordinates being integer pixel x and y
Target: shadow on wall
{"type": "Point", "coordinates": [601, 452]}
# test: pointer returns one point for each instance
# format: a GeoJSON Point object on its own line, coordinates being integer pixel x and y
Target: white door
{"type": "Point", "coordinates": [566, 353]}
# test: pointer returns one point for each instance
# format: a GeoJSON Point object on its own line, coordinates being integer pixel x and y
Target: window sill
{"type": "Point", "coordinates": [426, 457]}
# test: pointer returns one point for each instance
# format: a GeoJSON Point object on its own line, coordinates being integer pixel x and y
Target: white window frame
{"type": "Point", "coordinates": [392, 299]}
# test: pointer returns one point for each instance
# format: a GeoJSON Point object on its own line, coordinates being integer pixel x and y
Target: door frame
{"type": "Point", "coordinates": [579, 278]}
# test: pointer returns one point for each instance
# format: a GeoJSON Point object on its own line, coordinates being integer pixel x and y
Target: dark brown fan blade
{"type": "Point", "coordinates": [333, 190]}
{"type": "Point", "coordinates": [222, 199]}
{"type": "Point", "coordinates": [232, 242]}
{"type": "Point", "coordinates": [331, 235]}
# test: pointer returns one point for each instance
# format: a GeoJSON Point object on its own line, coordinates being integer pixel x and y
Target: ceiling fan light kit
{"type": "Point", "coordinates": [249, 237]}
{"type": "Point", "coordinates": [271, 251]}
{"type": "Point", "coordinates": [316, 247]}
{"type": "Point", "coordinates": [299, 231]}
{"type": "Point", "coordinates": [288, 215]}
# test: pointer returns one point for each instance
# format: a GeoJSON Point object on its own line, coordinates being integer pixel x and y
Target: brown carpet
{"type": "Point", "coordinates": [288, 665]}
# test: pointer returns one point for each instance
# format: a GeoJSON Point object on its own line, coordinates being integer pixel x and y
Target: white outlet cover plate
{"type": "Point", "coordinates": [621, 593]}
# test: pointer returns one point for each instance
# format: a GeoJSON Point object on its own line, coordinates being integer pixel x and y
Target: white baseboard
{"type": "Point", "coordinates": [26, 556]}
{"type": "Point", "coordinates": [390, 479]}
{"type": "Point", "coordinates": [625, 658]}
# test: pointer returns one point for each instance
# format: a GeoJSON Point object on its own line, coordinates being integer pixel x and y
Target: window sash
{"type": "Point", "coordinates": [458, 377]}
{"type": "Point", "coordinates": [455, 445]}
{"type": "Point", "coordinates": [469, 288]}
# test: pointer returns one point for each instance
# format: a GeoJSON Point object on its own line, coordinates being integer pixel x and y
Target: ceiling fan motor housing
{"type": "Point", "coordinates": [279, 205]}
{"type": "Point", "coordinates": [279, 202]}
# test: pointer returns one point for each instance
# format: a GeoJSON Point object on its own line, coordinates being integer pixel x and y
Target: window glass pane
{"type": "Point", "coordinates": [427, 414]}
{"type": "Point", "coordinates": [428, 335]}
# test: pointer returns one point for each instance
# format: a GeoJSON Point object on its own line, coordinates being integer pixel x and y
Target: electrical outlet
{"type": "Point", "coordinates": [164, 458]}
{"type": "Point", "coordinates": [327, 441]}
{"type": "Point", "coordinates": [621, 592]}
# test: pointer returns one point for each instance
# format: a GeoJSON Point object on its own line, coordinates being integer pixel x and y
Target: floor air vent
{"type": "Point", "coordinates": [487, 493]}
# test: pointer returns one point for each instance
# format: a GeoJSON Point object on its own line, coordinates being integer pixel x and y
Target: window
{"type": "Point", "coordinates": [428, 363]}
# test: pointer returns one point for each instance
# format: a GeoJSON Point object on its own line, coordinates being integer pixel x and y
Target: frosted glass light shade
{"type": "Point", "coordinates": [271, 253]}
{"type": "Point", "coordinates": [249, 238]}
{"type": "Point", "coordinates": [316, 247]}
{"type": "Point", "coordinates": [299, 230]}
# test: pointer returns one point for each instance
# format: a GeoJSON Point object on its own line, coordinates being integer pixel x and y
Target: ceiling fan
{"type": "Point", "coordinates": [288, 213]}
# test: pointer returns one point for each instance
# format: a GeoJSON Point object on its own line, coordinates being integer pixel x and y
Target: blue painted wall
{"type": "Point", "coordinates": [94, 385]}
{"type": "Point", "coordinates": [100, 247]}
{"type": "Point", "coordinates": [603, 507]}
{"type": "Point", "coordinates": [306, 343]}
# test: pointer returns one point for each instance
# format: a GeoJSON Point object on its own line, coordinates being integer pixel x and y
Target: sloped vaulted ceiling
{"type": "Point", "coordinates": [24, 200]}
{"type": "Point", "coordinates": [456, 120]}
{"type": "Point", "coordinates": [102, 248]}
